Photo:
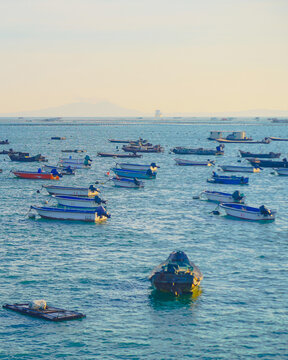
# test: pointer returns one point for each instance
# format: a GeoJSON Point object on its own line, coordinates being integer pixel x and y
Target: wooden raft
{"type": "Point", "coordinates": [50, 313]}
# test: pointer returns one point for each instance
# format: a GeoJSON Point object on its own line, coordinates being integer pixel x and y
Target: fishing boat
{"type": "Point", "coordinates": [58, 138]}
{"type": "Point", "coordinates": [235, 135]}
{"type": "Point", "coordinates": [232, 180]}
{"type": "Point", "coordinates": [126, 166]}
{"type": "Point", "coordinates": [283, 172]}
{"type": "Point", "coordinates": [180, 150]}
{"type": "Point", "coordinates": [36, 175]}
{"type": "Point", "coordinates": [182, 162]}
{"type": "Point", "coordinates": [177, 275]}
{"type": "Point", "coordinates": [222, 197]}
{"type": "Point", "coordinates": [119, 141]}
{"type": "Point", "coordinates": [270, 155]}
{"type": "Point", "coordinates": [149, 174]}
{"type": "Point", "coordinates": [74, 166]}
{"type": "Point", "coordinates": [248, 212]}
{"type": "Point", "coordinates": [226, 141]}
{"type": "Point", "coordinates": [269, 163]}
{"type": "Point", "coordinates": [133, 155]}
{"type": "Point", "coordinates": [74, 151]}
{"type": "Point", "coordinates": [49, 313]}
{"type": "Point", "coordinates": [23, 158]}
{"type": "Point", "coordinates": [79, 202]}
{"type": "Point", "coordinates": [246, 169]}
{"type": "Point", "coordinates": [86, 161]}
{"type": "Point", "coordinates": [11, 152]}
{"type": "Point", "coordinates": [4, 142]}
{"type": "Point", "coordinates": [62, 170]}
{"type": "Point", "coordinates": [90, 191]}
{"type": "Point", "coordinates": [143, 148]}
{"type": "Point", "coordinates": [97, 215]}
{"type": "Point", "coordinates": [127, 183]}
{"type": "Point", "coordinates": [277, 138]}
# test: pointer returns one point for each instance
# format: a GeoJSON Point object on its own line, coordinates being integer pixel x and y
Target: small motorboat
{"type": "Point", "coordinates": [232, 180]}
{"type": "Point", "coordinates": [58, 138]}
{"type": "Point", "coordinates": [282, 172]}
{"type": "Point", "coordinates": [23, 158]}
{"type": "Point", "coordinates": [270, 155]}
{"type": "Point", "coordinates": [74, 151]}
{"type": "Point", "coordinates": [127, 183]}
{"type": "Point", "coordinates": [248, 212]}
{"type": "Point", "coordinates": [74, 166]}
{"type": "Point", "coordinates": [269, 163]}
{"type": "Point", "coordinates": [90, 191]}
{"type": "Point", "coordinates": [62, 170]}
{"type": "Point", "coordinates": [4, 142]}
{"type": "Point", "coordinates": [222, 197]}
{"type": "Point", "coordinates": [79, 202]}
{"type": "Point", "coordinates": [86, 161]}
{"type": "Point", "coordinates": [119, 155]}
{"type": "Point", "coordinates": [97, 215]}
{"type": "Point", "coordinates": [120, 141]}
{"type": "Point", "coordinates": [226, 141]}
{"type": "Point", "coordinates": [180, 150]}
{"type": "Point", "coordinates": [182, 162]}
{"type": "Point", "coordinates": [53, 175]}
{"type": "Point", "coordinates": [48, 313]}
{"type": "Point", "coordinates": [277, 138]}
{"type": "Point", "coordinates": [143, 148]}
{"type": "Point", "coordinates": [149, 174]}
{"type": "Point", "coordinates": [126, 166]}
{"type": "Point", "coordinates": [246, 169]}
{"type": "Point", "coordinates": [177, 275]}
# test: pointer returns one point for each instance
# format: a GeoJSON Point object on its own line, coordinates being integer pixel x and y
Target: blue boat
{"type": "Point", "coordinates": [232, 180]}
{"type": "Point", "coordinates": [149, 174]}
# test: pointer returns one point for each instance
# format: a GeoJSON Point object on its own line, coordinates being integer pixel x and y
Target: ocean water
{"type": "Point", "coordinates": [102, 269]}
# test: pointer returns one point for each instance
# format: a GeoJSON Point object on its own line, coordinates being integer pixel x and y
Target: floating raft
{"type": "Point", "coordinates": [50, 313]}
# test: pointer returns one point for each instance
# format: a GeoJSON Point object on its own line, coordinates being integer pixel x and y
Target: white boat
{"type": "Point", "coordinates": [247, 169]}
{"type": "Point", "coordinates": [184, 162]}
{"type": "Point", "coordinates": [248, 212]}
{"type": "Point", "coordinates": [85, 160]}
{"type": "Point", "coordinates": [61, 170]}
{"type": "Point", "coordinates": [72, 191]}
{"type": "Point", "coordinates": [281, 171]}
{"type": "Point", "coordinates": [97, 215]}
{"type": "Point", "coordinates": [74, 165]}
{"type": "Point", "coordinates": [222, 197]}
{"type": "Point", "coordinates": [127, 183]}
{"type": "Point", "coordinates": [78, 202]}
{"type": "Point", "coordinates": [126, 166]}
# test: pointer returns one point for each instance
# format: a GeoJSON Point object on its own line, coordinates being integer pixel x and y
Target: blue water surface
{"type": "Point", "coordinates": [102, 269]}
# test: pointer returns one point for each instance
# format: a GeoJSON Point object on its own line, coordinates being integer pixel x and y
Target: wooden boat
{"type": "Point", "coordinates": [177, 275]}
{"type": "Point", "coordinates": [58, 138]}
{"type": "Point", "coordinates": [127, 183]}
{"type": "Point", "coordinates": [79, 202]}
{"type": "Point", "coordinates": [247, 169]}
{"type": "Point", "coordinates": [4, 142]}
{"type": "Point", "coordinates": [270, 155]}
{"type": "Point", "coordinates": [90, 191]}
{"type": "Point", "coordinates": [126, 166]}
{"type": "Point", "coordinates": [282, 172]}
{"type": "Point", "coordinates": [143, 148]}
{"type": "Point", "coordinates": [61, 170]}
{"type": "Point", "coordinates": [277, 139]}
{"type": "Point", "coordinates": [226, 141]}
{"type": "Point", "coordinates": [200, 151]}
{"type": "Point", "coordinates": [97, 215]}
{"type": "Point", "coordinates": [182, 162]}
{"type": "Point", "coordinates": [232, 180]}
{"type": "Point", "coordinates": [74, 151]}
{"type": "Point", "coordinates": [222, 197]}
{"type": "Point", "coordinates": [268, 163]}
{"type": "Point", "coordinates": [22, 158]}
{"type": "Point", "coordinates": [248, 212]}
{"type": "Point", "coordinates": [50, 313]}
{"type": "Point", "coordinates": [133, 155]}
{"type": "Point", "coordinates": [149, 174]}
{"type": "Point", "coordinates": [36, 175]}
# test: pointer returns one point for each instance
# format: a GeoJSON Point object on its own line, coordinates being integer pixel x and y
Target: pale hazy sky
{"type": "Point", "coordinates": [178, 56]}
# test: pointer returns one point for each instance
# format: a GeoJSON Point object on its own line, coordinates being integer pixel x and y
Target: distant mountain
{"type": "Point", "coordinates": [243, 113]}
{"type": "Point", "coordinates": [80, 109]}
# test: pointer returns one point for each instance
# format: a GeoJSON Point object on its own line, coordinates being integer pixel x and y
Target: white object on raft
{"type": "Point", "coordinates": [38, 304]}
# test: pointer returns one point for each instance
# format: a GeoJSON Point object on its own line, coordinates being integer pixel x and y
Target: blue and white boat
{"type": "Point", "coordinates": [232, 180]}
{"type": "Point", "coordinates": [139, 167]}
{"type": "Point", "coordinates": [222, 197]}
{"type": "Point", "coordinates": [90, 191]}
{"type": "Point", "coordinates": [282, 172]}
{"type": "Point", "coordinates": [79, 202]}
{"type": "Point", "coordinates": [61, 170]}
{"type": "Point", "coordinates": [184, 162]}
{"type": "Point", "coordinates": [127, 183]}
{"type": "Point", "coordinates": [86, 160]}
{"type": "Point", "coordinates": [247, 169]}
{"type": "Point", "coordinates": [66, 164]}
{"type": "Point", "coordinates": [97, 215]}
{"type": "Point", "coordinates": [149, 174]}
{"type": "Point", "coordinates": [248, 212]}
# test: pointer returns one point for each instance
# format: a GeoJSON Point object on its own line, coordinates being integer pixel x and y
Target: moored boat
{"type": "Point", "coordinates": [58, 138]}
{"type": "Point", "coordinates": [246, 169]}
{"type": "Point", "coordinates": [127, 182]}
{"type": "Point", "coordinates": [90, 191]}
{"type": "Point", "coordinates": [269, 163]}
{"type": "Point", "coordinates": [226, 141]}
{"type": "Point", "coordinates": [149, 174]}
{"type": "Point", "coordinates": [222, 197]}
{"type": "Point", "coordinates": [232, 180]}
{"type": "Point", "coordinates": [282, 172]}
{"type": "Point", "coordinates": [79, 202]}
{"type": "Point", "coordinates": [143, 148]}
{"type": "Point", "coordinates": [4, 142]}
{"type": "Point", "coordinates": [62, 170]}
{"type": "Point", "coordinates": [74, 166]}
{"type": "Point", "coordinates": [126, 166]}
{"type": "Point", "coordinates": [36, 175]}
{"type": "Point", "coordinates": [270, 155]}
{"type": "Point", "coordinates": [133, 155]}
{"type": "Point", "coordinates": [23, 158]}
{"type": "Point", "coordinates": [277, 138]}
{"type": "Point", "coordinates": [177, 275]}
{"type": "Point", "coordinates": [74, 151]}
{"type": "Point", "coordinates": [183, 162]}
{"type": "Point", "coordinates": [97, 215]}
{"type": "Point", "coordinates": [248, 212]}
{"type": "Point", "coordinates": [86, 161]}
{"type": "Point", "coordinates": [180, 150]}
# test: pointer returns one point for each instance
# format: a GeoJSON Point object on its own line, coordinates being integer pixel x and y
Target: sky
{"type": "Point", "coordinates": [177, 56]}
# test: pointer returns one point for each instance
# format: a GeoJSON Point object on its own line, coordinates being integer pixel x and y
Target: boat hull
{"type": "Point", "coordinates": [75, 202]}
{"type": "Point", "coordinates": [246, 212]}
{"type": "Point", "coordinates": [225, 141]}
{"type": "Point", "coordinates": [138, 167]}
{"type": "Point", "coordinates": [172, 283]}
{"type": "Point", "coordinates": [233, 180]}
{"type": "Point", "coordinates": [127, 183]}
{"type": "Point", "coordinates": [134, 155]}
{"type": "Point", "coordinates": [282, 172]}
{"type": "Point", "coordinates": [200, 151]}
{"type": "Point", "coordinates": [74, 165]}
{"type": "Point", "coordinates": [69, 191]}
{"type": "Point", "coordinates": [268, 163]}
{"type": "Point", "coordinates": [270, 155]}
{"type": "Point", "coordinates": [221, 197]}
{"type": "Point", "coordinates": [35, 176]}
{"type": "Point", "coordinates": [182, 162]}
{"type": "Point", "coordinates": [134, 174]}
{"type": "Point", "coordinates": [246, 169]}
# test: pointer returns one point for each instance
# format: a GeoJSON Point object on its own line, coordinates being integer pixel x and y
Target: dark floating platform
{"type": "Point", "coordinates": [50, 313]}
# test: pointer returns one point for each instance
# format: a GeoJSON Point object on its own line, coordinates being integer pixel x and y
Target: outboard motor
{"type": "Point", "coordinates": [237, 196]}
{"type": "Point", "coordinates": [149, 172]}
{"type": "Point", "coordinates": [264, 210]}
{"type": "Point", "coordinates": [136, 181]}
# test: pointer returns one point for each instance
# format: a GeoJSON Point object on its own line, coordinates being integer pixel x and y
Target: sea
{"type": "Point", "coordinates": [101, 270]}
